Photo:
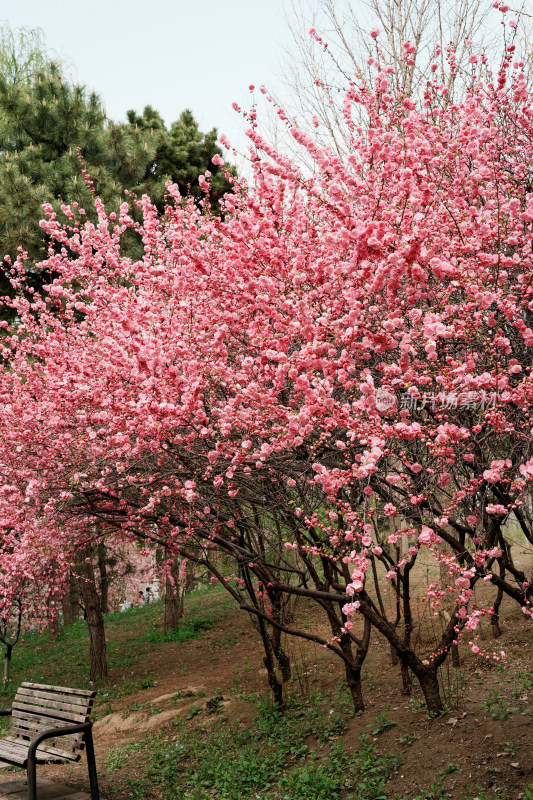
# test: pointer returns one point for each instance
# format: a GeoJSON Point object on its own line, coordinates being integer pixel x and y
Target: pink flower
{"type": "Point", "coordinates": [491, 475]}
{"type": "Point", "coordinates": [374, 33]}
{"type": "Point", "coordinates": [496, 509]}
{"type": "Point", "coordinates": [427, 535]}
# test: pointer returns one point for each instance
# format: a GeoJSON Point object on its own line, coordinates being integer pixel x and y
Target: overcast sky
{"type": "Point", "coordinates": [171, 54]}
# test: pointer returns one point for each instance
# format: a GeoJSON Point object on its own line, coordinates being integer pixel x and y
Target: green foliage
{"type": "Point", "coordinates": [47, 122]}
{"type": "Point", "coordinates": [522, 682]}
{"type": "Point", "coordinates": [269, 760]}
{"type": "Point", "coordinates": [118, 757]}
{"type": "Point", "coordinates": [496, 706]}
{"type": "Point", "coordinates": [189, 629]}
{"type": "Point", "coordinates": [179, 154]}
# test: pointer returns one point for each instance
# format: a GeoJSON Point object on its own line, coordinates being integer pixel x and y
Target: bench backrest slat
{"type": "Point", "coordinates": [61, 689]}
{"type": "Point", "coordinates": [38, 707]}
{"type": "Point", "coordinates": [56, 697]}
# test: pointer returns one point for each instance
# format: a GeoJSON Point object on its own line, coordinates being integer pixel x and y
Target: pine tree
{"type": "Point", "coordinates": [48, 126]}
{"type": "Point", "coordinates": [183, 153]}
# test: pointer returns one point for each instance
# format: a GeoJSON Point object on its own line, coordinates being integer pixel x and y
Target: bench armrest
{"type": "Point", "coordinates": [5, 712]}
{"type": "Point", "coordinates": [53, 733]}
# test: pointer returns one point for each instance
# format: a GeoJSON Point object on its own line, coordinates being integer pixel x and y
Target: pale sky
{"type": "Point", "coordinates": [171, 54]}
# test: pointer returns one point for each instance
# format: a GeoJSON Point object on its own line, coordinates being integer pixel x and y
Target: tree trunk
{"type": "Point", "coordinates": [277, 646]}
{"type": "Point", "coordinates": [429, 684]}
{"type": "Point", "coordinates": [70, 602]}
{"type": "Point", "coordinates": [495, 617]}
{"type": "Point", "coordinates": [173, 599]}
{"type": "Point", "coordinates": [456, 660]}
{"type": "Point", "coordinates": [353, 679]}
{"type": "Point", "coordinates": [95, 619]}
{"type": "Point", "coordinates": [7, 663]}
{"type": "Point", "coordinates": [275, 684]}
{"type": "Point", "coordinates": [104, 578]}
{"type": "Point", "coordinates": [407, 684]}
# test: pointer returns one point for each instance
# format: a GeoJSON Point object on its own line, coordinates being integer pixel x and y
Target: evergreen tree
{"type": "Point", "coordinates": [183, 153]}
{"type": "Point", "coordinates": [48, 125]}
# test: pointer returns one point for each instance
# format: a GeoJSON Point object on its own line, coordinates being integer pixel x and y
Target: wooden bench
{"type": "Point", "coordinates": [57, 715]}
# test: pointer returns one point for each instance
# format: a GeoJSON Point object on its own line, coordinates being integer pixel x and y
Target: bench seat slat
{"type": "Point", "coordinates": [45, 748]}
{"type": "Point", "coordinates": [16, 752]}
{"type": "Point", "coordinates": [27, 735]}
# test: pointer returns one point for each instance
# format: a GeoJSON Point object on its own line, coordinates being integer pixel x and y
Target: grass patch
{"type": "Point", "coordinates": [269, 760]}
{"type": "Point", "coordinates": [63, 659]}
{"type": "Point", "coordinates": [189, 629]}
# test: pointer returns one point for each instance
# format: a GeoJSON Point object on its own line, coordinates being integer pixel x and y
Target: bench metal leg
{"type": "Point", "coordinates": [91, 766]}
{"type": "Point", "coordinates": [32, 778]}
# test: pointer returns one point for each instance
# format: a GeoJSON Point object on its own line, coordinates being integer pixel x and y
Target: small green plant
{"type": "Point", "coordinates": [418, 705]}
{"type": "Point", "coordinates": [406, 739]}
{"type": "Point", "coordinates": [176, 698]}
{"type": "Point", "coordinates": [496, 706]}
{"type": "Point", "coordinates": [382, 724]}
{"type": "Point", "coordinates": [131, 708]}
{"type": "Point", "coordinates": [509, 749]}
{"type": "Point", "coordinates": [523, 682]}
{"type": "Point", "coordinates": [450, 769]}
{"type": "Point", "coordinates": [193, 712]}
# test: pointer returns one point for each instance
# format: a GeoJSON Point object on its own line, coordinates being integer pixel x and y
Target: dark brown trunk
{"type": "Point", "coordinates": [104, 578]}
{"type": "Point", "coordinates": [407, 683]}
{"type": "Point", "coordinates": [277, 647]}
{"type": "Point", "coordinates": [95, 619]}
{"type": "Point", "coordinates": [284, 663]}
{"type": "Point", "coordinates": [408, 627]}
{"type": "Point", "coordinates": [173, 598]}
{"type": "Point", "coordinates": [352, 665]}
{"type": "Point", "coordinates": [495, 617]}
{"type": "Point", "coordinates": [429, 684]}
{"type": "Point", "coordinates": [456, 660]}
{"type": "Point", "coordinates": [273, 681]}
{"type": "Point", "coordinates": [353, 679]}
{"type": "Point", "coordinates": [275, 684]}
{"type": "Point", "coordinates": [70, 602]}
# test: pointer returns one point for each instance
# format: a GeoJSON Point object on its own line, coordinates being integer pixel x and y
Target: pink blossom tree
{"type": "Point", "coordinates": [325, 384]}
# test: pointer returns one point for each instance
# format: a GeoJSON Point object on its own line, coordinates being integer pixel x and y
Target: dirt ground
{"type": "Point", "coordinates": [466, 745]}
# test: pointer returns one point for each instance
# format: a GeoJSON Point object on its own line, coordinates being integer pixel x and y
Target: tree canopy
{"type": "Point", "coordinates": [328, 387]}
